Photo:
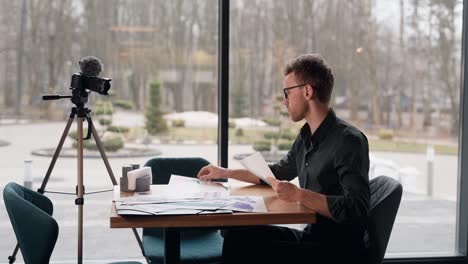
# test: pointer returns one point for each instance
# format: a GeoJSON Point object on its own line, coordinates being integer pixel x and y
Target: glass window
{"type": "Point", "coordinates": [162, 59]}
{"type": "Point", "coordinates": [397, 78]}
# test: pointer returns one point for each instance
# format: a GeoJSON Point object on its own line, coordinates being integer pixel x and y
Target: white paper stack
{"type": "Point", "coordinates": [193, 206]}
{"type": "Point", "coordinates": [186, 195]}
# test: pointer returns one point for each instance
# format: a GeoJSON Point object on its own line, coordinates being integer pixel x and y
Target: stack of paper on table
{"type": "Point", "coordinates": [184, 195]}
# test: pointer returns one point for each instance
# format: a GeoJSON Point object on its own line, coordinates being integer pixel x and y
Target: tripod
{"type": "Point", "coordinates": [82, 113]}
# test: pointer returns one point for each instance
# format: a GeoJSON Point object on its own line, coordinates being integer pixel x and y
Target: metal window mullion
{"type": "Point", "coordinates": [462, 201]}
{"type": "Point", "coordinates": [223, 82]}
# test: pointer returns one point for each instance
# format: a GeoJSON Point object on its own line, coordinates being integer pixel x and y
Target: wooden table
{"type": "Point", "coordinates": [279, 212]}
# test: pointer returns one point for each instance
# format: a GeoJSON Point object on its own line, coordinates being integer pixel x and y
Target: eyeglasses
{"type": "Point", "coordinates": [291, 87]}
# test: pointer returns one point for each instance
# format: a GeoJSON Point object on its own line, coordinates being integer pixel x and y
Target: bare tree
{"type": "Point", "coordinates": [446, 52]}
{"type": "Point", "coordinates": [9, 28]}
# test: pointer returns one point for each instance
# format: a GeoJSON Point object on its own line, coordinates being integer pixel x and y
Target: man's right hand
{"type": "Point", "coordinates": [212, 172]}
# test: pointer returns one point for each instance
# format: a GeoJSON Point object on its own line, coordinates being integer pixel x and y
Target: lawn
{"type": "Point", "coordinates": [248, 136]}
{"type": "Point", "coordinates": [409, 147]}
{"type": "Point", "coordinates": [210, 135]}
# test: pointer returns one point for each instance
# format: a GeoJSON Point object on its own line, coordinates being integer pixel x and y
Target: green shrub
{"type": "Point", "coordinates": [110, 145]}
{"type": "Point", "coordinates": [123, 104]}
{"type": "Point", "coordinates": [87, 144]}
{"type": "Point", "coordinates": [239, 101]}
{"type": "Point", "coordinates": [103, 108]}
{"type": "Point", "coordinates": [285, 145]}
{"type": "Point", "coordinates": [271, 135]}
{"type": "Point", "coordinates": [178, 123]}
{"type": "Point", "coordinates": [154, 119]}
{"type": "Point", "coordinates": [239, 132]}
{"type": "Point", "coordinates": [386, 134]}
{"type": "Point", "coordinates": [118, 129]}
{"type": "Point", "coordinates": [288, 135]}
{"type": "Point", "coordinates": [74, 134]}
{"type": "Point", "coordinates": [90, 144]}
{"type": "Point", "coordinates": [113, 144]}
{"type": "Point", "coordinates": [105, 121]}
{"type": "Point", "coordinates": [262, 145]}
{"type": "Point", "coordinates": [272, 122]}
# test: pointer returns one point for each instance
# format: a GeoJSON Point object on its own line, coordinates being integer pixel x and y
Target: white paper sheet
{"type": "Point", "coordinates": [194, 188]}
{"type": "Point", "coordinates": [256, 164]}
{"type": "Point", "coordinates": [205, 185]}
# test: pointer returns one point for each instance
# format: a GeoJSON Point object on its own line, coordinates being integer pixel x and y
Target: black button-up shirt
{"type": "Point", "coordinates": [333, 161]}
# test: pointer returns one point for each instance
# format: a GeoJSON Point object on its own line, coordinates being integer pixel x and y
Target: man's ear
{"type": "Point", "coordinates": [309, 92]}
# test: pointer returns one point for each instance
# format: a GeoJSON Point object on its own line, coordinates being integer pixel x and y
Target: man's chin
{"type": "Point", "coordinates": [295, 118]}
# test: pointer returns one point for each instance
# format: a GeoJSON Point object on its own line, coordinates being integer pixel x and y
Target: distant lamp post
{"type": "Point", "coordinates": [69, 65]}
{"type": "Point", "coordinates": [196, 30]}
{"type": "Point", "coordinates": [430, 155]}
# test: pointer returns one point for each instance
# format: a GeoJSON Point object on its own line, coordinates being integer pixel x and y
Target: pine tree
{"type": "Point", "coordinates": [239, 103]}
{"type": "Point", "coordinates": [155, 122]}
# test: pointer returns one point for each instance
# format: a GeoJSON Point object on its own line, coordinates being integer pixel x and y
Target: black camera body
{"type": "Point", "coordinates": [90, 83]}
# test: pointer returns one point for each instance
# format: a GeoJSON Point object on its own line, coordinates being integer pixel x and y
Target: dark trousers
{"type": "Point", "coordinates": [275, 244]}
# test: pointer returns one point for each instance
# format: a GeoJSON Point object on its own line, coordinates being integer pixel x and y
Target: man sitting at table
{"type": "Point", "coordinates": [331, 159]}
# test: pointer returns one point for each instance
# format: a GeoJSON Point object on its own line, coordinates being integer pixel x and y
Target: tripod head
{"type": "Point", "coordinates": [78, 97]}
{"type": "Point", "coordinates": [80, 110]}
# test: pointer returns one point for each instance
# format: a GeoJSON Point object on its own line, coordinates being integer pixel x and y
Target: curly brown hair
{"type": "Point", "coordinates": [313, 70]}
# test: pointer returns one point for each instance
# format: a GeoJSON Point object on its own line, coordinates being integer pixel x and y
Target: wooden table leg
{"type": "Point", "coordinates": [171, 246]}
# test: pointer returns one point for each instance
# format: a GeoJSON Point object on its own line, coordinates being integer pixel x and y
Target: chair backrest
{"type": "Point", "coordinates": [31, 217]}
{"type": "Point", "coordinates": [384, 203]}
{"type": "Point", "coordinates": [162, 168]}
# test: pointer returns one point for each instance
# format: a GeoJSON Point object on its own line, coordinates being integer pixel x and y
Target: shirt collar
{"type": "Point", "coordinates": [322, 130]}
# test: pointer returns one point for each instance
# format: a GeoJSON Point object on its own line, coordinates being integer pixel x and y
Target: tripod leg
{"type": "Point", "coordinates": [80, 189]}
{"type": "Point", "coordinates": [12, 258]}
{"type": "Point", "coordinates": [56, 154]}
{"type": "Point", "coordinates": [101, 149]}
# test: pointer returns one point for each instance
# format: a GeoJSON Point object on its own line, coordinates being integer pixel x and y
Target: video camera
{"type": "Point", "coordinates": [92, 83]}
{"type": "Point", "coordinates": [84, 82]}
{"type": "Point", "coordinates": [88, 78]}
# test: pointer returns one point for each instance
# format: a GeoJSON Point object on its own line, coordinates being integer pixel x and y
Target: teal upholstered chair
{"type": "Point", "coordinates": [196, 245]}
{"type": "Point", "coordinates": [31, 217]}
